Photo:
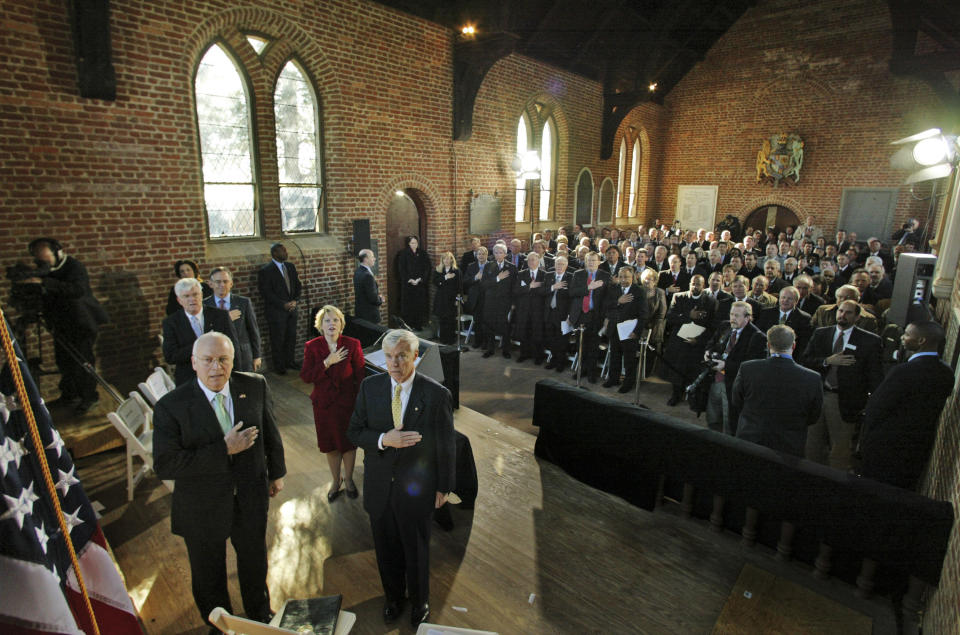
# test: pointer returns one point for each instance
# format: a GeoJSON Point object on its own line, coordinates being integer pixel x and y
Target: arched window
{"type": "Point", "coordinates": [584, 198]}
{"type": "Point", "coordinates": [605, 202]}
{"type": "Point", "coordinates": [523, 140]}
{"type": "Point", "coordinates": [634, 178]}
{"type": "Point", "coordinates": [547, 167]}
{"type": "Point", "coordinates": [297, 119]}
{"type": "Point", "coordinates": [226, 146]}
{"type": "Point", "coordinates": [621, 176]}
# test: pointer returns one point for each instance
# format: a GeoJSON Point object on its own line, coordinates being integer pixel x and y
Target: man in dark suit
{"type": "Point", "coordinates": [682, 355]}
{"type": "Point", "coordinates": [528, 292]}
{"type": "Point", "coordinates": [241, 314]}
{"type": "Point", "coordinates": [612, 264]}
{"type": "Point", "coordinates": [776, 398]}
{"type": "Point", "coordinates": [735, 342]}
{"type": "Point", "coordinates": [588, 296]}
{"type": "Point", "coordinates": [181, 329]}
{"type": "Point", "coordinates": [809, 302]}
{"type": "Point", "coordinates": [788, 313]}
{"type": "Point", "coordinates": [497, 286]}
{"type": "Point", "coordinates": [280, 287]}
{"type": "Point", "coordinates": [366, 292]}
{"type": "Point", "coordinates": [901, 417]}
{"type": "Point", "coordinates": [556, 310]}
{"type": "Point", "coordinates": [74, 316]}
{"type": "Point", "coordinates": [217, 439]}
{"type": "Point", "coordinates": [404, 423]}
{"type": "Point", "coordinates": [628, 301]}
{"type": "Point", "coordinates": [881, 287]}
{"type": "Point", "coordinates": [750, 269]}
{"type": "Point", "coordinates": [673, 279]}
{"type": "Point", "coordinates": [848, 359]}
{"type": "Point", "coordinates": [470, 256]}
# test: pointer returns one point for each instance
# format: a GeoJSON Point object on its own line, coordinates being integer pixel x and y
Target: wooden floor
{"type": "Point", "coordinates": [541, 553]}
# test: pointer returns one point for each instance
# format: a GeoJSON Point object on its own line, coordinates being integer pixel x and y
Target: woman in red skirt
{"type": "Point", "coordinates": [333, 363]}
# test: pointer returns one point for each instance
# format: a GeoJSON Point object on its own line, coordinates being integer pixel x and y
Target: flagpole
{"type": "Point", "coordinates": [24, 400]}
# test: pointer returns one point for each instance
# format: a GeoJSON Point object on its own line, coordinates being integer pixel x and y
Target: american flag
{"type": "Point", "coordinates": [38, 584]}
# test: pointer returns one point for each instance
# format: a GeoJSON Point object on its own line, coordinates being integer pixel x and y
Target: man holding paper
{"type": "Point", "coordinates": [691, 316]}
{"type": "Point", "coordinates": [626, 319]}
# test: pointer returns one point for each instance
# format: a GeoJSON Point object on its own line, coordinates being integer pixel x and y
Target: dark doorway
{"type": "Point", "coordinates": [776, 216]}
{"type": "Point", "coordinates": [405, 217]}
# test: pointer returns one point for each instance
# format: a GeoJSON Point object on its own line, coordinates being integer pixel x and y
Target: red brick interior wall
{"type": "Point", "coordinates": [816, 68]}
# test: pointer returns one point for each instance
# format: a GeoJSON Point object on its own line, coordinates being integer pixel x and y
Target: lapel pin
{"type": "Point", "coordinates": [243, 396]}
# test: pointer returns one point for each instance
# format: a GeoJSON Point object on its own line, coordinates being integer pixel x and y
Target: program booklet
{"type": "Point", "coordinates": [320, 614]}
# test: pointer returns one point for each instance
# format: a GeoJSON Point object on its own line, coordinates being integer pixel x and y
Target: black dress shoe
{"type": "Point", "coordinates": [610, 383]}
{"type": "Point", "coordinates": [592, 379]}
{"type": "Point", "coordinates": [506, 354]}
{"type": "Point", "coordinates": [487, 354]}
{"type": "Point", "coordinates": [627, 386]}
{"type": "Point", "coordinates": [559, 368]}
{"type": "Point", "coordinates": [522, 359]}
{"type": "Point", "coordinates": [392, 610]}
{"type": "Point", "coordinates": [419, 614]}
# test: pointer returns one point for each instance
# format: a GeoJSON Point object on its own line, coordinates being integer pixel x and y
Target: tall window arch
{"type": "Point", "coordinates": [226, 145]}
{"type": "Point", "coordinates": [296, 116]}
{"type": "Point", "coordinates": [621, 175]}
{"type": "Point", "coordinates": [547, 167]}
{"type": "Point", "coordinates": [523, 144]}
{"type": "Point", "coordinates": [634, 178]}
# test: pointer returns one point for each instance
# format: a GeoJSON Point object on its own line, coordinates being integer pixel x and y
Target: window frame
{"type": "Point", "coordinates": [551, 200]}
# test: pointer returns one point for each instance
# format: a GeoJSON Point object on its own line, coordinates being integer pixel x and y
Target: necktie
{"type": "Point", "coordinates": [588, 299]}
{"type": "Point", "coordinates": [783, 317]}
{"type": "Point", "coordinates": [833, 377]}
{"type": "Point", "coordinates": [553, 298]}
{"type": "Point", "coordinates": [223, 304]}
{"type": "Point", "coordinates": [222, 415]}
{"type": "Point", "coordinates": [195, 324]}
{"type": "Point", "coordinates": [286, 276]}
{"type": "Point", "coordinates": [397, 409]}
{"type": "Point", "coordinates": [718, 376]}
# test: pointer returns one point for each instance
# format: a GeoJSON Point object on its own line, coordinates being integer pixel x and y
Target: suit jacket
{"type": "Point", "coordinates": [366, 295]}
{"type": "Point", "coordinates": [414, 474]}
{"type": "Point", "coordinates": [656, 317]}
{"type": "Point", "coordinates": [578, 289]}
{"type": "Point", "coordinates": [900, 421]}
{"type": "Point", "coordinates": [274, 290]}
{"type": "Point", "coordinates": [559, 313]}
{"type": "Point", "coordinates": [636, 309]}
{"type": "Point", "coordinates": [798, 320]}
{"type": "Point", "coordinates": [856, 382]}
{"type": "Point", "coordinates": [883, 291]}
{"type": "Point", "coordinates": [248, 333]}
{"type": "Point", "coordinates": [178, 339]}
{"type": "Point", "coordinates": [666, 280]}
{"type": "Point", "coordinates": [497, 294]}
{"type": "Point", "coordinates": [467, 259]}
{"type": "Point", "coordinates": [188, 447]}
{"type": "Point", "coordinates": [777, 399]}
{"type": "Point", "coordinates": [472, 289]}
{"type": "Point", "coordinates": [69, 307]}
{"type": "Point", "coordinates": [528, 302]}
{"type": "Point", "coordinates": [751, 344]}
{"type": "Point", "coordinates": [613, 270]}
{"type": "Point", "coordinates": [810, 304]}
{"type": "Point", "coordinates": [826, 315]}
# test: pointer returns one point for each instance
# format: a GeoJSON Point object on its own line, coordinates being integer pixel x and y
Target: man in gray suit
{"type": "Point", "coordinates": [777, 398]}
{"type": "Point", "coordinates": [242, 315]}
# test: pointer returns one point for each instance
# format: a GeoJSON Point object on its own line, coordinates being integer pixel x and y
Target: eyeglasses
{"type": "Point", "coordinates": [212, 361]}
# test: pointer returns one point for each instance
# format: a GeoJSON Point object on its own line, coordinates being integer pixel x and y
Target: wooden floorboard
{"type": "Point", "coordinates": [541, 552]}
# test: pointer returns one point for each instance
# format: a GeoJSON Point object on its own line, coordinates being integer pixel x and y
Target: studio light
{"type": "Point", "coordinates": [934, 153]}
{"type": "Point", "coordinates": [527, 165]}
{"type": "Point", "coordinates": [930, 151]}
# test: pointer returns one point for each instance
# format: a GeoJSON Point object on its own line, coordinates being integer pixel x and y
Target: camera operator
{"type": "Point", "coordinates": [72, 315]}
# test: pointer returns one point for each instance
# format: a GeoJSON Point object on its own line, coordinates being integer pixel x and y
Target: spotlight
{"type": "Point", "coordinates": [469, 29]}
{"type": "Point", "coordinates": [527, 165]}
{"type": "Point", "coordinates": [930, 151]}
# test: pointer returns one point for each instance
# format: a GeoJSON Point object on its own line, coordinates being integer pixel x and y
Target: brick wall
{"type": "Point", "coordinates": [816, 68]}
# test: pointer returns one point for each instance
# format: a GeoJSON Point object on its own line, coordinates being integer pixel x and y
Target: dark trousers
{"type": "Point", "coordinates": [402, 544]}
{"type": "Point", "coordinates": [208, 567]}
{"type": "Point", "coordinates": [557, 343]}
{"type": "Point", "coordinates": [592, 320]}
{"type": "Point", "coordinates": [531, 341]}
{"type": "Point", "coordinates": [75, 382]}
{"type": "Point", "coordinates": [447, 327]}
{"type": "Point", "coordinates": [492, 328]}
{"type": "Point", "coordinates": [283, 338]}
{"type": "Point", "coordinates": [622, 352]}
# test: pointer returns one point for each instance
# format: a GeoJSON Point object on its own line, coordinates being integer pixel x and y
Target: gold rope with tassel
{"type": "Point", "coordinates": [42, 457]}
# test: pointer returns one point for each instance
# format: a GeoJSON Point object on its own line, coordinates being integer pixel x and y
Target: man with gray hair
{"type": "Point", "coordinates": [404, 422]}
{"type": "Point", "coordinates": [216, 437]}
{"type": "Point", "coordinates": [241, 314]}
{"type": "Point", "coordinates": [366, 292]}
{"type": "Point", "coordinates": [777, 398]}
{"type": "Point", "coordinates": [182, 328]}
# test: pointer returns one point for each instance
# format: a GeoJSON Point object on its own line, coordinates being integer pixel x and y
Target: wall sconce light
{"type": "Point", "coordinates": [935, 151]}
{"type": "Point", "coordinates": [527, 165]}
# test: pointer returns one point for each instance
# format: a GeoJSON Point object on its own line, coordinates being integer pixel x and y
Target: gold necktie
{"type": "Point", "coordinates": [397, 408]}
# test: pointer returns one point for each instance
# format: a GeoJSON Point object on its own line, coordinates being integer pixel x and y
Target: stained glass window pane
{"type": "Point", "coordinates": [296, 116]}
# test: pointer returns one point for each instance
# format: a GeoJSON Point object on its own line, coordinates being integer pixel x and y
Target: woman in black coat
{"type": "Point", "coordinates": [186, 269]}
{"type": "Point", "coordinates": [413, 265]}
{"type": "Point", "coordinates": [446, 277]}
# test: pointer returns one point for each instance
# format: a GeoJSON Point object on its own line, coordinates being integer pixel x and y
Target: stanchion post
{"type": "Point", "coordinates": [580, 328]}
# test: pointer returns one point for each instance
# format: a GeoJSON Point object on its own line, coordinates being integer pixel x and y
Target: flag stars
{"type": "Point", "coordinates": [66, 480]}
{"type": "Point", "coordinates": [22, 506]}
{"type": "Point", "coordinates": [42, 537]}
{"type": "Point", "coordinates": [57, 444]}
{"type": "Point", "coordinates": [10, 450]}
{"type": "Point", "coordinates": [73, 520]}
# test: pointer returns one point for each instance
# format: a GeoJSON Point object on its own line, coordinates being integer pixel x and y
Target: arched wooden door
{"type": "Point", "coordinates": [776, 216]}
{"type": "Point", "coordinates": [405, 217]}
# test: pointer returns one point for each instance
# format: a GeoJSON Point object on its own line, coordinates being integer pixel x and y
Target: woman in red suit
{"type": "Point", "coordinates": [333, 363]}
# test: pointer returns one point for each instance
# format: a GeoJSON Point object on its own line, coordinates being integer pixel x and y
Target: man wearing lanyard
{"type": "Point", "coordinates": [848, 360]}
{"type": "Point", "coordinates": [900, 420]}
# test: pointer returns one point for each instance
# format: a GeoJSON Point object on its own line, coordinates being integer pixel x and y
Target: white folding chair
{"type": "Point", "coordinates": [466, 333]}
{"type": "Point", "coordinates": [157, 385]}
{"type": "Point", "coordinates": [228, 623]}
{"type": "Point", "coordinates": [134, 420]}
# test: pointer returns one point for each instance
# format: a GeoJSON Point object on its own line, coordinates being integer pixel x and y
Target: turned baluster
{"type": "Point", "coordinates": [716, 516]}
{"type": "Point", "coordinates": [749, 532]}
